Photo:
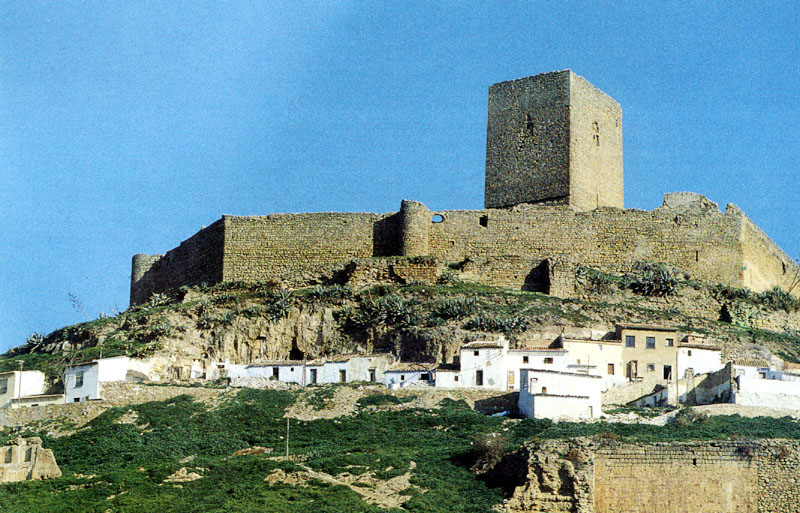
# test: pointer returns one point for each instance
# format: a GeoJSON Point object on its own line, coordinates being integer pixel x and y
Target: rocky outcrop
{"type": "Point", "coordinates": [24, 459]}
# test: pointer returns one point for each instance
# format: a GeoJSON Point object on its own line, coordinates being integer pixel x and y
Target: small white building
{"type": "Point", "coordinates": [694, 359]}
{"type": "Point", "coordinates": [83, 381]}
{"type": "Point", "coordinates": [555, 395]}
{"type": "Point", "coordinates": [542, 358]}
{"type": "Point", "coordinates": [15, 385]}
{"type": "Point", "coordinates": [404, 374]}
{"type": "Point", "coordinates": [340, 369]}
{"type": "Point", "coordinates": [483, 364]}
{"type": "Point", "coordinates": [447, 376]}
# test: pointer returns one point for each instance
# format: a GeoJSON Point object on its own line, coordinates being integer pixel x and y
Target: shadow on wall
{"type": "Point", "coordinates": [386, 236]}
{"type": "Point", "coordinates": [538, 280]}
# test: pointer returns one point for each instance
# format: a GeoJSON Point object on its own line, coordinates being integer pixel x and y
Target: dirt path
{"type": "Point", "coordinates": [388, 501]}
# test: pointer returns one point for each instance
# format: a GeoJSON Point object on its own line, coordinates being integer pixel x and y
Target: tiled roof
{"type": "Point", "coordinates": [483, 344]}
{"type": "Point", "coordinates": [643, 326]}
{"type": "Point", "coordinates": [410, 367]}
{"type": "Point", "coordinates": [548, 371]}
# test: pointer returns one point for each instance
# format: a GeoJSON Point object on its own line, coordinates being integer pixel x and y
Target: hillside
{"type": "Point", "coordinates": [223, 449]}
{"type": "Point", "coordinates": [245, 323]}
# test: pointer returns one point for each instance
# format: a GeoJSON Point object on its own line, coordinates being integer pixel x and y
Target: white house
{"type": "Point", "coordinates": [342, 369]}
{"type": "Point", "coordinates": [15, 385]}
{"type": "Point", "coordinates": [483, 364]}
{"type": "Point", "coordinates": [83, 381]}
{"type": "Point", "coordinates": [543, 358]}
{"type": "Point", "coordinates": [551, 394]}
{"type": "Point", "coordinates": [404, 374]}
{"type": "Point", "coordinates": [694, 359]}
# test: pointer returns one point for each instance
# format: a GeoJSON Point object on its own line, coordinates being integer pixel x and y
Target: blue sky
{"type": "Point", "coordinates": [126, 126]}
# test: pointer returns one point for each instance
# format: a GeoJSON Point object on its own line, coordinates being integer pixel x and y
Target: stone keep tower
{"type": "Point", "coordinates": [556, 139]}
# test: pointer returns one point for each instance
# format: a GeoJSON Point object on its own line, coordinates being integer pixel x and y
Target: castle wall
{"type": "Point", "coordinates": [703, 242]}
{"type": "Point", "coordinates": [765, 263]}
{"type": "Point", "coordinates": [675, 478]}
{"type": "Point", "coordinates": [582, 475]}
{"type": "Point", "coordinates": [198, 259]}
{"type": "Point", "coordinates": [303, 248]}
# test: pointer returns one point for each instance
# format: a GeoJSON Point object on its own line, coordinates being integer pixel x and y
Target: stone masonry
{"type": "Point", "coordinates": [599, 476]}
{"type": "Point", "coordinates": [554, 163]}
{"type": "Point", "coordinates": [24, 459]}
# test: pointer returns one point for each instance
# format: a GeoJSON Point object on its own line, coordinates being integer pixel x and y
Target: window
{"type": "Point", "coordinates": [455, 379]}
{"type": "Point", "coordinates": [342, 376]}
{"type": "Point", "coordinates": [402, 377]}
{"type": "Point", "coordinates": [651, 367]}
{"type": "Point", "coordinates": [485, 222]}
{"type": "Point", "coordinates": [650, 342]}
{"type": "Point", "coordinates": [524, 359]}
{"type": "Point", "coordinates": [3, 386]}
{"type": "Point", "coordinates": [479, 378]}
{"type": "Point", "coordinates": [544, 390]}
{"type": "Point", "coordinates": [425, 376]}
{"type": "Point", "coordinates": [437, 218]}
{"type": "Point", "coordinates": [630, 341]}
{"type": "Point", "coordinates": [275, 372]}
{"type": "Point", "coordinates": [476, 353]}
{"type": "Point", "coordinates": [291, 370]}
{"type": "Point", "coordinates": [548, 360]}
{"type": "Point", "coordinates": [9, 455]}
{"type": "Point", "coordinates": [670, 342]}
{"type": "Point", "coordinates": [76, 400]}
{"type": "Point", "coordinates": [689, 353]}
{"type": "Point", "coordinates": [79, 379]}
{"type": "Point", "coordinates": [610, 369]}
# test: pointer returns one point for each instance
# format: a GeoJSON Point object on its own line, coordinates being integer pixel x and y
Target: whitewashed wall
{"type": "Point", "coordinates": [769, 393]}
{"type": "Point", "coordinates": [573, 395]}
{"type": "Point", "coordinates": [447, 378]}
{"type": "Point", "coordinates": [701, 361]}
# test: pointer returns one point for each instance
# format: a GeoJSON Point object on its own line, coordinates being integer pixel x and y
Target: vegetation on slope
{"type": "Point", "coordinates": [416, 314]}
{"type": "Point", "coordinates": [120, 460]}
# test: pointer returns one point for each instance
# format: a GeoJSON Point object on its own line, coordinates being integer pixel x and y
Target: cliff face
{"type": "Point", "coordinates": [244, 324]}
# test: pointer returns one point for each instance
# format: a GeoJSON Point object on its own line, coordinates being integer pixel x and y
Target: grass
{"type": "Point", "coordinates": [129, 462]}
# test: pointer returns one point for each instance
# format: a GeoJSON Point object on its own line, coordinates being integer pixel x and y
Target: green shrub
{"type": "Point", "coordinates": [778, 299]}
{"type": "Point", "coordinates": [595, 281]}
{"type": "Point", "coordinates": [651, 279]}
{"type": "Point", "coordinates": [455, 308]}
{"type": "Point", "coordinates": [491, 323]}
{"type": "Point", "coordinates": [383, 399]}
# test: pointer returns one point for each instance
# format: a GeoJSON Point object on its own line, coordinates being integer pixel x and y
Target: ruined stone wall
{"type": "Point", "coordinates": [198, 259]}
{"type": "Point", "coordinates": [765, 264]}
{"type": "Point", "coordinates": [527, 141]}
{"type": "Point", "coordinates": [702, 241]}
{"type": "Point", "coordinates": [303, 248]}
{"type": "Point", "coordinates": [676, 478]}
{"type": "Point", "coordinates": [596, 476]}
{"type": "Point", "coordinates": [527, 247]}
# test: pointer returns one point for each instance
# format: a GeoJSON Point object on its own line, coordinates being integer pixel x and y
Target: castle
{"type": "Point", "coordinates": [553, 201]}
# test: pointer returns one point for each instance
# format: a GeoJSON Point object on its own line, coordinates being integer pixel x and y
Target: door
{"type": "Point", "coordinates": [313, 376]}
{"type": "Point", "coordinates": [479, 378]}
{"type": "Point", "coordinates": [372, 375]}
{"type": "Point", "coordinates": [342, 376]}
{"type": "Point", "coordinates": [511, 380]}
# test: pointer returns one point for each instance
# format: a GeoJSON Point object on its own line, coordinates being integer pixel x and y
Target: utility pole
{"type": "Point", "coordinates": [287, 438]}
